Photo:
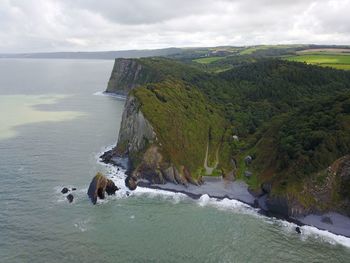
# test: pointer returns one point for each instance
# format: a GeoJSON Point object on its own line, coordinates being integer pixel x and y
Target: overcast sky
{"type": "Point", "coordinates": [94, 25]}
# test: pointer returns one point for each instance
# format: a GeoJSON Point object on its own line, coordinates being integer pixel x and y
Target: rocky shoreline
{"type": "Point", "coordinates": [332, 222]}
{"type": "Point", "coordinates": [219, 188]}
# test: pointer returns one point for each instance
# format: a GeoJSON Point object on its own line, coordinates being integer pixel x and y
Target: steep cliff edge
{"type": "Point", "coordinates": [168, 131]}
{"type": "Point", "coordinates": [259, 123]}
{"type": "Point", "coordinates": [128, 74]}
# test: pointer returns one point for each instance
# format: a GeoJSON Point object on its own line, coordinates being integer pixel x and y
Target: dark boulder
{"type": "Point", "coordinates": [99, 185]}
{"type": "Point", "coordinates": [298, 230]}
{"type": "Point", "coordinates": [70, 198]}
{"type": "Point", "coordinates": [111, 188]}
{"type": "Point", "coordinates": [64, 190]}
{"type": "Point", "coordinates": [131, 182]}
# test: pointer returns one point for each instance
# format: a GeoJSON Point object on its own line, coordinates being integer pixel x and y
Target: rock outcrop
{"type": "Point", "coordinates": [135, 131]}
{"type": "Point", "coordinates": [341, 170]}
{"type": "Point", "coordinates": [64, 190]}
{"type": "Point", "coordinates": [170, 127]}
{"type": "Point", "coordinates": [70, 198]}
{"type": "Point", "coordinates": [331, 194]}
{"type": "Point", "coordinates": [138, 143]}
{"type": "Point", "coordinates": [128, 74]}
{"type": "Point", "coordinates": [100, 185]}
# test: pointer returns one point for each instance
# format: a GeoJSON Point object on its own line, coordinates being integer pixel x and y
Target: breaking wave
{"type": "Point", "coordinates": [117, 174]}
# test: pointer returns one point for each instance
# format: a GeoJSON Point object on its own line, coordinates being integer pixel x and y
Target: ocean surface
{"type": "Point", "coordinates": [54, 123]}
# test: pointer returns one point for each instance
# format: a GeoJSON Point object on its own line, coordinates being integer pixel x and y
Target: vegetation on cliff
{"type": "Point", "coordinates": [185, 123]}
{"type": "Point", "coordinates": [291, 118]}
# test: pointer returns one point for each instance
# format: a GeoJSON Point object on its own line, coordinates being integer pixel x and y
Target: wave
{"type": "Point", "coordinates": [117, 174]}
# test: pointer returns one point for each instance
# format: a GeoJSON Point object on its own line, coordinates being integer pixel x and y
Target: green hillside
{"type": "Point", "coordinates": [291, 118]}
{"type": "Point", "coordinates": [334, 60]}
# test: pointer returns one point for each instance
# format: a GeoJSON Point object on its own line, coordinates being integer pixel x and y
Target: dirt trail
{"type": "Point", "coordinates": [209, 170]}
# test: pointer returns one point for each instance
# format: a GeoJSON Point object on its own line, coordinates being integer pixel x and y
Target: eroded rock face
{"type": "Point", "coordinates": [341, 168]}
{"type": "Point", "coordinates": [124, 77]}
{"type": "Point", "coordinates": [135, 131]}
{"type": "Point", "coordinates": [137, 137]}
{"type": "Point", "coordinates": [128, 74]}
{"type": "Point", "coordinates": [138, 143]}
{"type": "Point", "coordinates": [100, 185]}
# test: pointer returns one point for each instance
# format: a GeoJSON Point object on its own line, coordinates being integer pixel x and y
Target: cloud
{"type": "Point", "coordinates": [52, 25]}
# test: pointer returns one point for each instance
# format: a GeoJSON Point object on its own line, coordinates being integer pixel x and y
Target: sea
{"type": "Point", "coordinates": [55, 121]}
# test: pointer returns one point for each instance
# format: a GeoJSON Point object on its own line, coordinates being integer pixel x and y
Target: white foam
{"type": "Point", "coordinates": [308, 232]}
{"type": "Point", "coordinates": [118, 176]}
{"type": "Point", "coordinates": [325, 236]}
{"type": "Point", "coordinates": [82, 225]}
{"type": "Point", "coordinates": [105, 94]}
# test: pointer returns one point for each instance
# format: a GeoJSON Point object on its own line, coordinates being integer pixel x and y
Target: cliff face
{"type": "Point", "coordinates": [138, 143]}
{"type": "Point", "coordinates": [135, 131]}
{"type": "Point", "coordinates": [128, 74]}
{"type": "Point", "coordinates": [178, 126]}
{"type": "Point", "coordinates": [170, 132]}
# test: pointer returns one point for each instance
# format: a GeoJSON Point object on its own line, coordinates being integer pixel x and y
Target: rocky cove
{"type": "Point", "coordinates": [39, 223]}
{"type": "Point", "coordinates": [137, 131]}
{"type": "Point", "coordinates": [140, 150]}
{"type": "Point", "coordinates": [220, 189]}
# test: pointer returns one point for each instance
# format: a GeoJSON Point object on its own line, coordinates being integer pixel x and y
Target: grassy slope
{"type": "Point", "coordinates": [185, 121]}
{"type": "Point", "coordinates": [208, 60]}
{"type": "Point", "coordinates": [339, 61]}
{"type": "Point", "coordinates": [261, 102]}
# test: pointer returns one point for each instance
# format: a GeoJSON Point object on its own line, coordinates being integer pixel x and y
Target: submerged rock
{"type": "Point", "coordinates": [100, 185]}
{"type": "Point", "coordinates": [74, 188]}
{"type": "Point", "coordinates": [298, 230]}
{"type": "Point", "coordinates": [64, 190]}
{"type": "Point", "coordinates": [70, 198]}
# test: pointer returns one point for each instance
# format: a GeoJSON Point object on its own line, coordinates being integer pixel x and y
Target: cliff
{"type": "Point", "coordinates": [128, 74]}
{"type": "Point", "coordinates": [276, 125]}
{"type": "Point", "coordinates": [170, 132]}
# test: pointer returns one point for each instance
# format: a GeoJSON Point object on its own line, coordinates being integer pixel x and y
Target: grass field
{"type": "Point", "coordinates": [251, 50]}
{"type": "Point", "coordinates": [338, 61]}
{"type": "Point", "coordinates": [208, 60]}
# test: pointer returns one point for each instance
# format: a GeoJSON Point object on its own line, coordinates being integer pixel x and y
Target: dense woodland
{"type": "Point", "coordinates": [293, 118]}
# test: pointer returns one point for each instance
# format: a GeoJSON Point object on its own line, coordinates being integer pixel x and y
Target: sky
{"type": "Point", "coordinates": [100, 25]}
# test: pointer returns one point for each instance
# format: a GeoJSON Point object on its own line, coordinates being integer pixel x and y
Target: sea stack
{"type": "Point", "coordinates": [100, 185]}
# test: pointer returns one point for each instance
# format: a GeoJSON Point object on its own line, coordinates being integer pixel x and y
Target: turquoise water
{"type": "Point", "coordinates": [52, 129]}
